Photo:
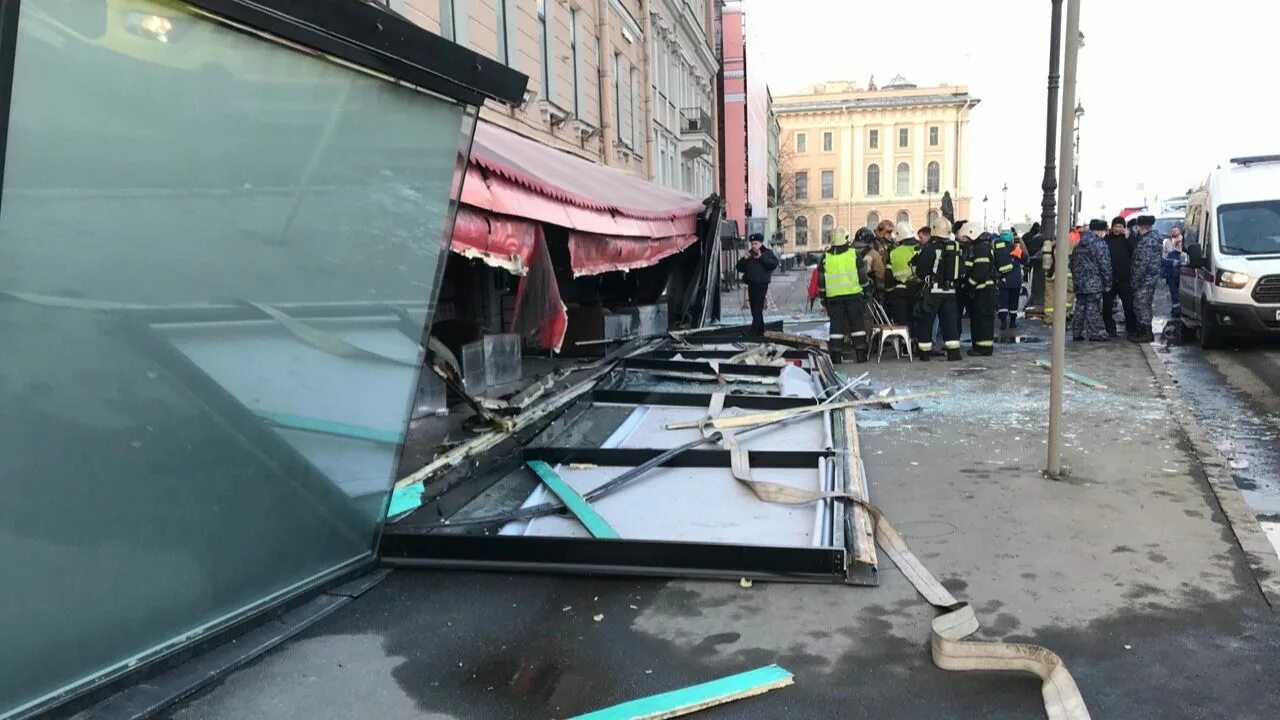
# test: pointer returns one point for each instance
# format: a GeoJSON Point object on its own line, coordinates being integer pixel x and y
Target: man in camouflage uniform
{"type": "Point", "coordinates": [1091, 268]}
{"type": "Point", "coordinates": [1146, 276]}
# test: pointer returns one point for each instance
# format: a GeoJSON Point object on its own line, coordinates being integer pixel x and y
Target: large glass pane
{"type": "Point", "coordinates": [217, 254]}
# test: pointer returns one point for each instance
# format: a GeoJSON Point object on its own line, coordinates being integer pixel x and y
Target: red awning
{"type": "Point", "coordinates": [516, 180]}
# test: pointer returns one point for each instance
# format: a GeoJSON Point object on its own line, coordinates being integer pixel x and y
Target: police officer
{"type": "Point", "coordinates": [1145, 276]}
{"type": "Point", "coordinates": [902, 286]}
{"type": "Point", "coordinates": [938, 269]}
{"type": "Point", "coordinates": [1091, 269]}
{"type": "Point", "coordinates": [841, 279]}
{"type": "Point", "coordinates": [756, 265]}
{"type": "Point", "coordinates": [979, 271]}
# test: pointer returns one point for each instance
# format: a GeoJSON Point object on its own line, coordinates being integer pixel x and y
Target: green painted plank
{"type": "Point", "coordinates": [586, 514]}
{"type": "Point", "coordinates": [1077, 377]}
{"type": "Point", "coordinates": [405, 499]}
{"type": "Point", "coordinates": [699, 697]}
{"type": "Point", "coordinates": [328, 427]}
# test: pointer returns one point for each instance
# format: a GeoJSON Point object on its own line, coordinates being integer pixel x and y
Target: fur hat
{"type": "Point", "coordinates": [1098, 224]}
{"type": "Point", "coordinates": [1147, 220]}
{"type": "Point", "coordinates": [1117, 220]}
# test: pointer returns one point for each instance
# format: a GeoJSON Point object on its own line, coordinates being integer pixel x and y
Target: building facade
{"type": "Point", "coordinates": [744, 139]}
{"type": "Point", "coordinates": [623, 83]}
{"type": "Point", "coordinates": [773, 186]}
{"type": "Point", "coordinates": [852, 156]}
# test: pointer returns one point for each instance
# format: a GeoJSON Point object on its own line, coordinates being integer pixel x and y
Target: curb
{"type": "Point", "coordinates": [1261, 556]}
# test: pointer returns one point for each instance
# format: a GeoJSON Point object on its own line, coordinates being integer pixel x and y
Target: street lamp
{"type": "Point", "coordinates": [1048, 210]}
{"type": "Point", "coordinates": [1077, 193]}
{"type": "Point", "coordinates": [927, 191]}
{"type": "Point", "coordinates": [984, 212]}
{"type": "Point", "coordinates": [1004, 212]}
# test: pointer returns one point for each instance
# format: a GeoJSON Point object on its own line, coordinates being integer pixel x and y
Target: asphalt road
{"type": "Point", "coordinates": [1234, 394]}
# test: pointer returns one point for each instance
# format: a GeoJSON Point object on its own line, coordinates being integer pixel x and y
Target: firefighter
{"type": "Point", "coordinates": [938, 270]}
{"type": "Point", "coordinates": [841, 279]}
{"type": "Point", "coordinates": [980, 264]}
{"type": "Point", "coordinates": [902, 286]}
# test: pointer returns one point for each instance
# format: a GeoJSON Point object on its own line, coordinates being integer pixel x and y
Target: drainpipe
{"type": "Point", "coordinates": [646, 89]}
{"type": "Point", "coordinates": [604, 68]}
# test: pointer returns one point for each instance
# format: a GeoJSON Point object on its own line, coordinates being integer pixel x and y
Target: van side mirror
{"type": "Point", "coordinates": [1194, 253]}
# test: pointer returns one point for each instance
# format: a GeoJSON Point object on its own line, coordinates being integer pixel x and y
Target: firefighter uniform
{"type": "Point", "coordinates": [841, 278]}
{"type": "Point", "coordinates": [938, 269]}
{"type": "Point", "coordinates": [980, 270]}
{"type": "Point", "coordinates": [902, 286]}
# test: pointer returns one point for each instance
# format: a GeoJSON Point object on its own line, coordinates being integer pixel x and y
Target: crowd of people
{"type": "Point", "coordinates": [929, 279]}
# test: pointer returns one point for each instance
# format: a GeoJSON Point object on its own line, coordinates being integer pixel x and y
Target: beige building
{"type": "Point", "coordinates": [610, 81]}
{"type": "Point", "coordinates": [851, 156]}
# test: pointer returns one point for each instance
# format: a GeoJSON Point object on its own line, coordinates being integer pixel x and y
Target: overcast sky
{"type": "Point", "coordinates": [1170, 89]}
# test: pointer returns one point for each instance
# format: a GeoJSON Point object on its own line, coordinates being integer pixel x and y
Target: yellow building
{"type": "Point", "coordinates": [851, 156]}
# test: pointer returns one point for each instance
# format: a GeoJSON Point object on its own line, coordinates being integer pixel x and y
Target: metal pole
{"type": "Point", "coordinates": [1048, 215]}
{"type": "Point", "coordinates": [1060, 248]}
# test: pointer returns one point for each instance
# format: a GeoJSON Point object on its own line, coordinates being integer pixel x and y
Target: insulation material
{"type": "Point", "coordinates": [540, 314]}
{"type": "Point", "coordinates": [591, 254]}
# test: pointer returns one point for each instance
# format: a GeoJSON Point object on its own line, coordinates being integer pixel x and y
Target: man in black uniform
{"type": "Point", "coordinates": [1120, 246]}
{"type": "Point", "coordinates": [756, 265]}
{"type": "Point", "coordinates": [938, 269]}
{"type": "Point", "coordinates": [979, 265]}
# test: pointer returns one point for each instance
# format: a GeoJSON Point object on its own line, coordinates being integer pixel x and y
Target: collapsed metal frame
{"type": "Point", "coordinates": [425, 539]}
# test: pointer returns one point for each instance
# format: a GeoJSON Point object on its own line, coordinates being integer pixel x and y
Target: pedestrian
{"type": "Point", "coordinates": [903, 288]}
{"type": "Point", "coordinates": [1091, 268]}
{"type": "Point", "coordinates": [1171, 263]}
{"type": "Point", "coordinates": [1121, 248]}
{"type": "Point", "coordinates": [757, 265]}
{"type": "Point", "coordinates": [980, 271]}
{"type": "Point", "coordinates": [1146, 275]}
{"type": "Point", "coordinates": [1034, 242]}
{"type": "Point", "coordinates": [877, 257]}
{"type": "Point", "coordinates": [964, 294]}
{"type": "Point", "coordinates": [938, 270]}
{"type": "Point", "coordinates": [1010, 285]}
{"type": "Point", "coordinates": [813, 287]}
{"type": "Point", "coordinates": [841, 280]}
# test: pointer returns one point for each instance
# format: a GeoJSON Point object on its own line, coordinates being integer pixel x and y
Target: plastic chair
{"type": "Point", "coordinates": [884, 331]}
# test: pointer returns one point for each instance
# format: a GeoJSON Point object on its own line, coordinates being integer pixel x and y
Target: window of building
{"type": "Point", "coordinates": [802, 185]}
{"type": "Point", "coordinates": [904, 137]}
{"type": "Point", "coordinates": [500, 25]}
{"type": "Point", "coordinates": [873, 219]}
{"type": "Point", "coordinates": [828, 224]}
{"type": "Point", "coordinates": [903, 217]}
{"type": "Point", "coordinates": [933, 136]}
{"type": "Point", "coordinates": [873, 179]}
{"type": "Point", "coordinates": [617, 94]}
{"type": "Point", "coordinates": [577, 63]}
{"type": "Point", "coordinates": [802, 231]}
{"type": "Point", "coordinates": [933, 176]}
{"type": "Point", "coordinates": [828, 142]}
{"type": "Point", "coordinates": [631, 105]}
{"type": "Point", "coordinates": [800, 142]}
{"type": "Point", "coordinates": [544, 42]}
{"type": "Point", "coordinates": [873, 138]}
{"type": "Point", "coordinates": [448, 28]}
{"type": "Point", "coordinates": [828, 184]}
{"type": "Point", "coordinates": [904, 179]}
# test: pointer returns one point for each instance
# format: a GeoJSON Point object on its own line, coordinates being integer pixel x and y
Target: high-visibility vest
{"type": "Point", "coordinates": [840, 270]}
{"type": "Point", "coordinates": [900, 261]}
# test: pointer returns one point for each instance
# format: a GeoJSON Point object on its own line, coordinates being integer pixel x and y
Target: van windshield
{"type": "Point", "coordinates": [1250, 228]}
{"type": "Point", "coordinates": [1165, 225]}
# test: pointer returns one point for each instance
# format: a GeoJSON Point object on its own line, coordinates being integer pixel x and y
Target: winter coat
{"type": "Point", "coordinates": [1121, 248]}
{"type": "Point", "coordinates": [756, 271]}
{"type": "Point", "coordinates": [1146, 259]}
{"type": "Point", "coordinates": [1013, 278]}
{"type": "Point", "coordinates": [813, 283]}
{"type": "Point", "coordinates": [1091, 265]}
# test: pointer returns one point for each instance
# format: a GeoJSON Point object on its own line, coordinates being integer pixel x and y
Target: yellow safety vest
{"type": "Point", "coordinates": [841, 274]}
{"type": "Point", "coordinates": [900, 261]}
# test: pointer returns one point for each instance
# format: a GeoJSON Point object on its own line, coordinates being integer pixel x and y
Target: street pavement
{"type": "Point", "coordinates": [1128, 568]}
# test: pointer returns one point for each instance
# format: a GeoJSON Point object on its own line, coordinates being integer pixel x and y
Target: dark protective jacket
{"type": "Point", "coordinates": [979, 265]}
{"type": "Point", "coordinates": [1121, 249]}
{"type": "Point", "coordinates": [938, 265]}
{"type": "Point", "coordinates": [756, 271]}
{"type": "Point", "coordinates": [1091, 265]}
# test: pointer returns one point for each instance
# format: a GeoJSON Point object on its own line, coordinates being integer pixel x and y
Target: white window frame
{"type": "Point", "coordinates": [828, 141]}
{"type": "Point", "coordinates": [827, 192]}
{"type": "Point", "coordinates": [802, 143]}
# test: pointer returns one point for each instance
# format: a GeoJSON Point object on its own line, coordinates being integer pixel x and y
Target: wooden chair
{"type": "Point", "coordinates": [883, 330]}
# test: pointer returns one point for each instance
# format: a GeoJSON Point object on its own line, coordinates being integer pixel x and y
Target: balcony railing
{"type": "Point", "coordinates": [695, 121]}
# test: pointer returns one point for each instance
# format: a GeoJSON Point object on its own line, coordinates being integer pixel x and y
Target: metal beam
{"type": "Point", "coordinates": [631, 457]}
{"type": "Point", "coordinates": [646, 397]}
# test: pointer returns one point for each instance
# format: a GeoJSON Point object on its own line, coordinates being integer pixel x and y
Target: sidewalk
{"type": "Point", "coordinates": [1128, 570]}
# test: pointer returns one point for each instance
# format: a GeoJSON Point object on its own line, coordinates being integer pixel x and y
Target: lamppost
{"type": "Point", "coordinates": [927, 191]}
{"type": "Point", "coordinates": [1048, 216]}
{"type": "Point", "coordinates": [984, 213]}
{"type": "Point", "coordinates": [1078, 193]}
{"type": "Point", "coordinates": [1004, 211]}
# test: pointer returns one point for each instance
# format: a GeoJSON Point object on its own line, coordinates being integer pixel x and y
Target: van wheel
{"type": "Point", "coordinates": [1210, 334]}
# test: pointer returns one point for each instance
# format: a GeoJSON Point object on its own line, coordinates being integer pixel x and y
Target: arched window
{"type": "Point", "coordinates": [933, 177]}
{"type": "Point", "coordinates": [904, 179]}
{"type": "Point", "coordinates": [873, 179]}
{"type": "Point", "coordinates": [828, 224]}
{"type": "Point", "coordinates": [873, 219]}
{"type": "Point", "coordinates": [933, 215]}
{"type": "Point", "coordinates": [903, 217]}
{"type": "Point", "coordinates": [802, 231]}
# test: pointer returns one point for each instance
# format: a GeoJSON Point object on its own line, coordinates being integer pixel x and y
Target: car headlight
{"type": "Point", "coordinates": [1232, 279]}
{"type": "Point", "coordinates": [147, 25]}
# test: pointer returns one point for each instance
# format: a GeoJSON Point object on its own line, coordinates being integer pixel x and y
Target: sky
{"type": "Point", "coordinates": [1170, 89]}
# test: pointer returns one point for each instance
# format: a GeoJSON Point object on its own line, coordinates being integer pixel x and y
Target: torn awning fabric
{"type": "Point", "coordinates": [616, 221]}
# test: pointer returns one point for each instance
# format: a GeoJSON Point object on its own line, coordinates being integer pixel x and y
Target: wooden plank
{"type": "Point", "coordinates": [581, 509]}
{"type": "Point", "coordinates": [698, 697]}
{"type": "Point", "coordinates": [865, 541]}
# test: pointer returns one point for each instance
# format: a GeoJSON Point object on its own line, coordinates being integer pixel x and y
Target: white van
{"type": "Point", "coordinates": [1232, 236]}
